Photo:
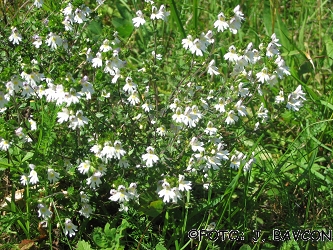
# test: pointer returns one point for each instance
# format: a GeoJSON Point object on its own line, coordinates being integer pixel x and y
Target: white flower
{"type": "Point", "coordinates": [178, 116]}
{"type": "Point", "coordinates": [33, 175]}
{"type": "Point", "coordinates": [33, 124]}
{"type": "Point", "coordinates": [248, 165]}
{"type": "Point", "coordinates": [196, 145]}
{"type": "Point", "coordinates": [183, 185]}
{"type": "Point", "coordinates": [163, 14]}
{"type": "Point", "coordinates": [160, 131]}
{"type": "Point", "coordinates": [71, 97]}
{"type": "Point", "coordinates": [38, 3]}
{"type": "Point", "coordinates": [84, 167]}
{"type": "Point", "coordinates": [282, 69]}
{"type": "Point", "coordinates": [243, 92]}
{"type": "Point", "coordinates": [119, 195]}
{"type": "Point", "coordinates": [263, 113]}
{"type": "Point", "coordinates": [210, 130]}
{"type": "Point", "coordinates": [4, 144]}
{"type": "Point", "coordinates": [44, 212]}
{"type": "Point", "coordinates": [236, 160]}
{"type": "Point", "coordinates": [86, 210]}
{"type": "Point", "coordinates": [154, 14]}
{"type": "Point", "coordinates": [53, 41]}
{"type": "Point", "coordinates": [222, 154]}
{"type": "Point", "coordinates": [235, 22]}
{"type": "Point", "coordinates": [275, 40]}
{"type": "Point", "coordinates": [87, 88]}
{"type": "Point", "coordinates": [97, 61]}
{"type": "Point", "coordinates": [24, 179]}
{"type": "Point", "coordinates": [298, 93]}
{"type": "Point", "coordinates": [150, 158]}
{"type": "Point", "coordinates": [207, 38]}
{"type": "Point", "coordinates": [105, 47]}
{"type": "Point", "coordinates": [147, 106]}
{"type": "Point", "coordinates": [263, 75]}
{"type": "Point", "coordinates": [212, 69]}
{"type": "Point", "coordinates": [68, 23]}
{"type": "Point", "coordinates": [280, 97]}
{"type": "Point", "coordinates": [220, 106]}
{"type": "Point", "coordinates": [79, 16]}
{"type": "Point", "coordinates": [70, 228]}
{"type": "Point", "coordinates": [231, 56]}
{"type": "Point", "coordinates": [119, 151]}
{"type": "Point", "coordinates": [130, 86]}
{"type": "Point", "coordinates": [78, 120]}
{"type": "Point", "coordinates": [133, 194]}
{"type": "Point", "coordinates": [190, 119]}
{"type": "Point", "coordinates": [221, 23]}
{"type": "Point", "coordinates": [167, 193]}
{"type": "Point", "coordinates": [84, 197]}
{"type": "Point", "coordinates": [37, 41]}
{"type": "Point", "coordinates": [68, 10]}
{"type": "Point", "coordinates": [15, 37]}
{"type": "Point", "coordinates": [231, 118]}
{"type": "Point", "coordinates": [64, 115]}
{"type": "Point", "coordinates": [213, 162]}
{"type": "Point", "coordinates": [241, 108]}
{"type": "Point", "coordinates": [134, 98]}
{"type": "Point", "coordinates": [157, 56]}
{"type": "Point", "coordinates": [272, 50]}
{"type": "Point", "coordinates": [108, 151]}
{"type": "Point", "coordinates": [295, 99]}
{"type": "Point", "coordinates": [52, 175]}
{"type": "Point", "coordinates": [94, 180]}
{"type": "Point", "coordinates": [187, 42]}
{"type": "Point", "coordinates": [197, 47]}
{"type": "Point", "coordinates": [139, 20]}
{"type": "Point", "coordinates": [89, 56]}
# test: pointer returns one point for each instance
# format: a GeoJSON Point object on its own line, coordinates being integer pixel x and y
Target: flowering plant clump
{"type": "Point", "coordinates": [89, 108]}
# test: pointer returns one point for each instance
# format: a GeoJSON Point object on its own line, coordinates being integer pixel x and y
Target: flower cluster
{"type": "Point", "coordinates": [156, 14]}
{"type": "Point", "coordinates": [233, 23]}
{"type": "Point", "coordinates": [103, 105]}
{"type": "Point", "coordinates": [199, 45]}
{"type": "Point", "coordinates": [123, 196]}
{"type": "Point", "coordinates": [169, 194]}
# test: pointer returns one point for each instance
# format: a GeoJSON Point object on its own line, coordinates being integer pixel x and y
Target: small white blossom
{"type": "Point", "coordinates": [70, 228]}
{"type": "Point", "coordinates": [139, 20]}
{"type": "Point", "coordinates": [150, 158]}
{"type": "Point", "coordinates": [52, 175]}
{"type": "Point", "coordinates": [43, 211]}
{"type": "Point", "coordinates": [15, 37]}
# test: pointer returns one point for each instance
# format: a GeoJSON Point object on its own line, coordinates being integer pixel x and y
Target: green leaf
{"type": "Point", "coordinates": [83, 245]}
{"type": "Point", "coordinates": [70, 191]}
{"type": "Point", "coordinates": [245, 247]}
{"type": "Point", "coordinates": [267, 18]}
{"type": "Point", "coordinates": [159, 246]}
{"type": "Point", "coordinates": [109, 233]}
{"type": "Point", "coordinates": [154, 209]}
{"type": "Point", "coordinates": [99, 238]}
{"type": "Point", "coordinates": [94, 30]}
{"type": "Point", "coordinates": [123, 25]}
{"type": "Point", "coordinates": [330, 106]}
{"type": "Point", "coordinates": [27, 156]}
{"type": "Point", "coordinates": [329, 49]}
{"type": "Point", "coordinates": [4, 164]}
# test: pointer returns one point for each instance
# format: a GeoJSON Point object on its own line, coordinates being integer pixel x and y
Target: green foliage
{"type": "Point", "coordinates": [110, 238]}
{"type": "Point", "coordinates": [83, 245]}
